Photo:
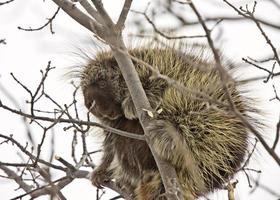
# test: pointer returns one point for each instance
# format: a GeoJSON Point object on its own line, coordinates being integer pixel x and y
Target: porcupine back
{"type": "Point", "coordinates": [216, 137]}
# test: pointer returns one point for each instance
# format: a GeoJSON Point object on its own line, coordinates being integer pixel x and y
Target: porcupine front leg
{"type": "Point", "coordinates": [102, 173]}
{"type": "Point", "coordinates": [129, 108]}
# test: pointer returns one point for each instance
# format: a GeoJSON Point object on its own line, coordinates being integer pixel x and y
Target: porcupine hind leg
{"type": "Point", "coordinates": [150, 187]}
{"type": "Point", "coordinates": [171, 146]}
{"type": "Point", "coordinates": [168, 144]}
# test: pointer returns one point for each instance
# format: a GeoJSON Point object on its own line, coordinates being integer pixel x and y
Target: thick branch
{"type": "Point", "coordinates": [79, 16]}
{"type": "Point", "coordinates": [123, 15]}
{"type": "Point", "coordinates": [141, 103]}
{"type": "Point", "coordinates": [106, 18]}
{"type": "Point", "coordinates": [140, 100]}
{"type": "Point", "coordinates": [91, 11]}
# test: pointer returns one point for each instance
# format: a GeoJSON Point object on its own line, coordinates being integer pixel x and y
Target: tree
{"type": "Point", "coordinates": [39, 172]}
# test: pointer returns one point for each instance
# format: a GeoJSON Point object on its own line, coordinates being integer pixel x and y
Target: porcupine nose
{"type": "Point", "coordinates": [89, 97]}
{"type": "Point", "coordinates": [101, 103]}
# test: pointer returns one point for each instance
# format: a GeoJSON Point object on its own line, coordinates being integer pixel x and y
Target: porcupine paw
{"type": "Point", "coordinates": [150, 187]}
{"type": "Point", "coordinates": [129, 109]}
{"type": "Point", "coordinates": [99, 177]}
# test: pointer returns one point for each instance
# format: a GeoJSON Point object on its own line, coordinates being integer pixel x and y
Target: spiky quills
{"type": "Point", "coordinates": [215, 136]}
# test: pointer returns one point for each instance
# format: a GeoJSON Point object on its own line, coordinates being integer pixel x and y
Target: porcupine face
{"type": "Point", "coordinates": [100, 101]}
{"type": "Point", "coordinates": [99, 85]}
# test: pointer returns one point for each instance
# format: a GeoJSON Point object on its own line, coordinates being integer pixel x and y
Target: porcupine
{"type": "Point", "coordinates": [216, 139]}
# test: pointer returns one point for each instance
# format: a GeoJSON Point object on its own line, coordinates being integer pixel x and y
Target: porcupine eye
{"type": "Point", "coordinates": [102, 84]}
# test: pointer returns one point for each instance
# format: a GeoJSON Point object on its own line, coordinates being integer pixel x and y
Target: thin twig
{"type": "Point", "coordinates": [3, 41]}
{"type": "Point", "coordinates": [6, 2]}
{"type": "Point", "coordinates": [11, 174]}
{"type": "Point", "coordinates": [223, 76]}
{"type": "Point", "coordinates": [164, 35]}
{"type": "Point", "coordinates": [250, 15]}
{"type": "Point", "coordinates": [80, 122]}
{"type": "Point", "coordinates": [277, 135]}
{"type": "Point", "coordinates": [49, 22]}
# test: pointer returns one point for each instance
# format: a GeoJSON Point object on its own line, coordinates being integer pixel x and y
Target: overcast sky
{"type": "Point", "coordinates": [27, 52]}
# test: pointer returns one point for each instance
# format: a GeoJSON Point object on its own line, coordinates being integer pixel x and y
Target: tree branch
{"type": "Point", "coordinates": [79, 16]}
{"type": "Point", "coordinates": [106, 18]}
{"type": "Point", "coordinates": [80, 122]}
{"type": "Point", "coordinates": [6, 2]}
{"type": "Point", "coordinates": [140, 100]}
{"type": "Point", "coordinates": [91, 11]}
{"type": "Point", "coordinates": [123, 15]}
{"type": "Point", "coordinates": [223, 76]}
{"type": "Point", "coordinates": [49, 22]}
{"type": "Point", "coordinates": [11, 174]}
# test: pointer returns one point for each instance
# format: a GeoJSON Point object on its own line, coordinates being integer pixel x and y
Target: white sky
{"type": "Point", "coordinates": [28, 52]}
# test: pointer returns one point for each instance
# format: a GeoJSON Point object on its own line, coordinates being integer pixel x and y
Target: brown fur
{"type": "Point", "coordinates": [205, 145]}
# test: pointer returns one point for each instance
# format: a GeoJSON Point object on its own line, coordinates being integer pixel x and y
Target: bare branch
{"type": "Point", "coordinates": [141, 103]}
{"type": "Point", "coordinates": [49, 22]}
{"type": "Point", "coordinates": [11, 174]}
{"type": "Point", "coordinates": [98, 21]}
{"type": "Point", "coordinates": [55, 190]}
{"type": "Point", "coordinates": [91, 11]}
{"type": "Point", "coordinates": [6, 2]}
{"type": "Point", "coordinates": [223, 76]}
{"type": "Point", "coordinates": [3, 41]}
{"type": "Point", "coordinates": [106, 18]}
{"type": "Point", "coordinates": [232, 19]}
{"type": "Point", "coordinates": [60, 184]}
{"type": "Point", "coordinates": [162, 33]}
{"type": "Point", "coordinates": [80, 122]}
{"type": "Point", "coordinates": [123, 15]}
{"type": "Point", "coordinates": [80, 17]}
{"type": "Point", "coordinates": [225, 18]}
{"type": "Point", "coordinates": [277, 135]}
{"type": "Point", "coordinates": [250, 15]}
{"type": "Point", "coordinates": [109, 184]}
{"type": "Point", "coordinates": [30, 155]}
{"type": "Point", "coordinates": [132, 80]}
{"type": "Point", "coordinates": [265, 188]}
